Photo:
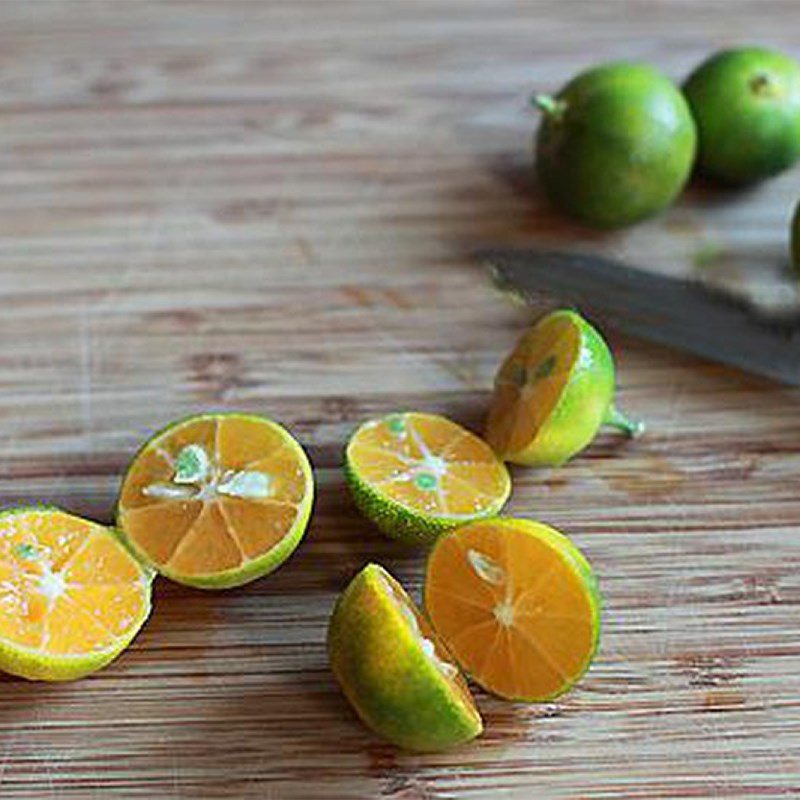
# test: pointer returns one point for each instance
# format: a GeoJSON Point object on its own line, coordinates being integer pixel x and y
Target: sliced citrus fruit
{"type": "Point", "coordinates": [71, 595]}
{"type": "Point", "coordinates": [394, 670]}
{"type": "Point", "coordinates": [517, 605]}
{"type": "Point", "coordinates": [416, 475]}
{"type": "Point", "coordinates": [553, 393]}
{"type": "Point", "coordinates": [217, 500]}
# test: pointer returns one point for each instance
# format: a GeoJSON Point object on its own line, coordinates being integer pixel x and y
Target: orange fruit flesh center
{"type": "Point", "coordinates": [431, 645]}
{"type": "Point", "coordinates": [66, 586]}
{"type": "Point", "coordinates": [515, 613]}
{"type": "Point", "coordinates": [530, 383]}
{"type": "Point", "coordinates": [212, 495]}
{"type": "Point", "coordinates": [428, 463]}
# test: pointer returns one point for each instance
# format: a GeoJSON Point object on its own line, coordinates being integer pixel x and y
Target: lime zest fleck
{"type": "Point", "coordinates": [425, 481]}
{"type": "Point", "coordinates": [396, 425]}
{"type": "Point", "coordinates": [709, 255]}
{"type": "Point", "coordinates": [26, 551]}
{"type": "Point", "coordinates": [192, 465]}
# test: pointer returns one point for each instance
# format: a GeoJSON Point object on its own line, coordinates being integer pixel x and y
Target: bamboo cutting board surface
{"type": "Point", "coordinates": [272, 206]}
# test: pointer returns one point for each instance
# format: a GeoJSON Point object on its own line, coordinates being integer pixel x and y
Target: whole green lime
{"type": "Point", "coordinates": [616, 144]}
{"type": "Point", "coordinates": [796, 239]}
{"type": "Point", "coordinates": [746, 103]}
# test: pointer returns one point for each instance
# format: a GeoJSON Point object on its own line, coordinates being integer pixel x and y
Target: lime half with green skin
{"type": "Point", "coordinates": [72, 597]}
{"type": "Point", "coordinates": [746, 103]}
{"type": "Point", "coordinates": [416, 475]}
{"type": "Point", "coordinates": [517, 604]}
{"type": "Point", "coordinates": [553, 393]}
{"type": "Point", "coordinates": [216, 500]}
{"type": "Point", "coordinates": [393, 669]}
{"type": "Point", "coordinates": [616, 144]}
{"type": "Point", "coordinates": [796, 239]}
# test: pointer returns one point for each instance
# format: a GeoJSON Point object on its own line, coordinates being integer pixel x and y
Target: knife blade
{"type": "Point", "coordinates": [676, 312]}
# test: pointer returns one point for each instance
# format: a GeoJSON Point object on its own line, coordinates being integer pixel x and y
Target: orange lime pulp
{"type": "Point", "coordinates": [516, 604]}
{"type": "Point", "coordinates": [553, 393]}
{"type": "Point", "coordinates": [417, 474]}
{"type": "Point", "coordinates": [217, 500]}
{"type": "Point", "coordinates": [531, 382]}
{"type": "Point", "coordinates": [71, 596]}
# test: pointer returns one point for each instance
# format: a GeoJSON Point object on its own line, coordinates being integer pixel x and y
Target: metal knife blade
{"type": "Point", "coordinates": [659, 308]}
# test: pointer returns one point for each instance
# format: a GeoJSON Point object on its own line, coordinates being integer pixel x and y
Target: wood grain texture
{"type": "Point", "coordinates": [272, 206]}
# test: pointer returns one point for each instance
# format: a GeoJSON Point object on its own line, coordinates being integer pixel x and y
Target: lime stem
{"type": "Point", "coordinates": [549, 105]}
{"type": "Point", "coordinates": [616, 419]}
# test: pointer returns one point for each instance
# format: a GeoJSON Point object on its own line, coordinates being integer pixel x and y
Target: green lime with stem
{"type": "Point", "coordinates": [615, 145]}
{"type": "Point", "coordinates": [553, 393]}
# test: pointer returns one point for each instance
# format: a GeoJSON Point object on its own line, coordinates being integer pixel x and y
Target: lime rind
{"type": "Point", "coordinates": [254, 568]}
{"type": "Point", "coordinates": [385, 672]}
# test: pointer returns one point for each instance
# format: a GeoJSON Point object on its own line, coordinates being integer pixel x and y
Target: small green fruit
{"type": "Point", "coordinates": [746, 103]}
{"type": "Point", "coordinates": [616, 144]}
{"type": "Point", "coordinates": [393, 669]}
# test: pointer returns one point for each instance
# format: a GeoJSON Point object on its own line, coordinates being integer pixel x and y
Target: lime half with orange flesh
{"type": "Point", "coordinates": [416, 475]}
{"type": "Point", "coordinates": [553, 393]}
{"type": "Point", "coordinates": [517, 604]}
{"type": "Point", "coordinates": [394, 670]}
{"type": "Point", "coordinates": [217, 500]}
{"type": "Point", "coordinates": [71, 595]}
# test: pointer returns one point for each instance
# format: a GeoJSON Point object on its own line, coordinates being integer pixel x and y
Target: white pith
{"type": "Point", "coordinates": [211, 482]}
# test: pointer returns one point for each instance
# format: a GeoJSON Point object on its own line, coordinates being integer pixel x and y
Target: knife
{"type": "Point", "coordinates": [678, 312]}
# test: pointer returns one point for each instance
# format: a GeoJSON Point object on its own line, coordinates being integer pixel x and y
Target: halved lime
{"type": "Point", "coordinates": [553, 393]}
{"type": "Point", "coordinates": [217, 500]}
{"type": "Point", "coordinates": [71, 595]}
{"type": "Point", "coordinates": [517, 604]}
{"type": "Point", "coordinates": [394, 670]}
{"type": "Point", "coordinates": [416, 475]}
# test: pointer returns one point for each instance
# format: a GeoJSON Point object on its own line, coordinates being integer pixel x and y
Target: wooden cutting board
{"type": "Point", "coordinates": [272, 206]}
{"type": "Point", "coordinates": [735, 241]}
